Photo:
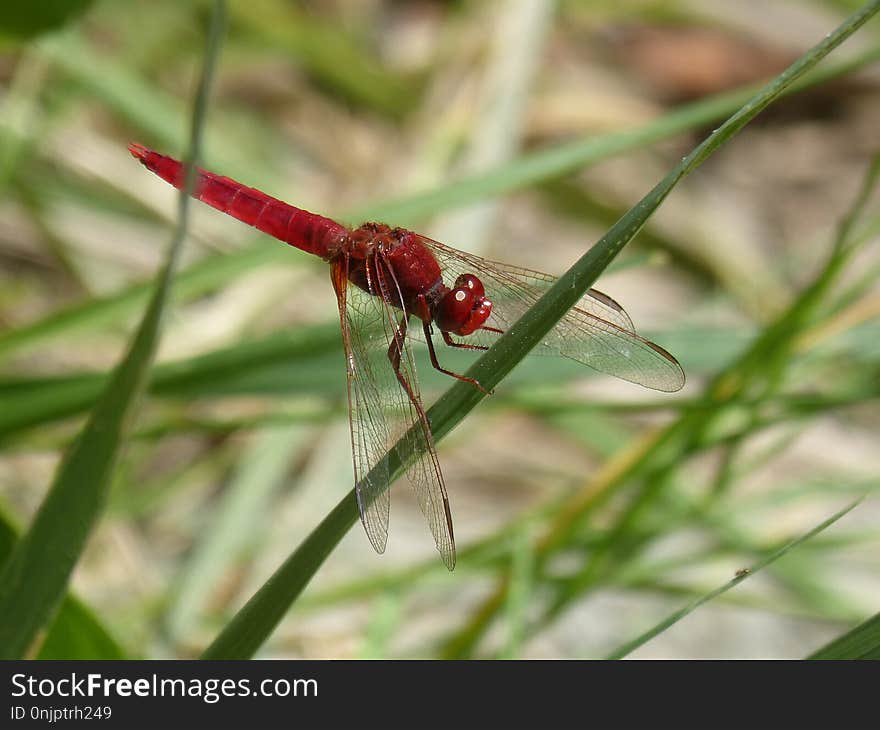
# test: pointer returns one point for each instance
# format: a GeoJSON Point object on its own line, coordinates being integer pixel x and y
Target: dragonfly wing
{"type": "Point", "coordinates": [370, 435]}
{"type": "Point", "coordinates": [385, 409]}
{"type": "Point", "coordinates": [410, 420]}
{"type": "Point", "coordinates": [596, 332]}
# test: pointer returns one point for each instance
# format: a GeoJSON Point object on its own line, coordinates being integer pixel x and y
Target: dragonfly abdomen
{"type": "Point", "coordinates": [306, 231]}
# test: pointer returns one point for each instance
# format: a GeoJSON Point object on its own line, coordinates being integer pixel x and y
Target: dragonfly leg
{"type": "Point", "coordinates": [447, 338]}
{"type": "Point", "coordinates": [395, 352]}
{"type": "Point", "coordinates": [436, 364]}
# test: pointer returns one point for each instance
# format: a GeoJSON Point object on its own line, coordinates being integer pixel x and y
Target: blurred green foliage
{"type": "Point", "coordinates": [23, 20]}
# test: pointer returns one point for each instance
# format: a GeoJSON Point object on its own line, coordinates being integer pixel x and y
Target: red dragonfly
{"type": "Point", "coordinates": [385, 276]}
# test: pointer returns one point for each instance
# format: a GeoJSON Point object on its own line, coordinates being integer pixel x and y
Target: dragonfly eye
{"type": "Point", "coordinates": [464, 308]}
{"type": "Point", "coordinates": [470, 283]}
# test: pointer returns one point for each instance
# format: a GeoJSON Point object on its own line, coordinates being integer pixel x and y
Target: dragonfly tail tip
{"type": "Point", "coordinates": [138, 151]}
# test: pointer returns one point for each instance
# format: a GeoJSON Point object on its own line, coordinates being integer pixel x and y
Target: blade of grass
{"type": "Point", "coordinates": [35, 577]}
{"type": "Point", "coordinates": [677, 616]}
{"type": "Point", "coordinates": [253, 623]}
{"type": "Point", "coordinates": [862, 642]}
{"type": "Point", "coordinates": [21, 22]}
{"type": "Point", "coordinates": [257, 619]}
{"type": "Point", "coordinates": [75, 631]}
{"type": "Point", "coordinates": [525, 171]}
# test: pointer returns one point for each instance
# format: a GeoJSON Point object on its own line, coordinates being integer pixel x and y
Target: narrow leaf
{"type": "Point", "coordinates": [862, 642]}
{"type": "Point", "coordinates": [26, 20]}
{"type": "Point", "coordinates": [35, 577]}
{"type": "Point", "coordinates": [677, 616]}
{"type": "Point", "coordinates": [76, 631]}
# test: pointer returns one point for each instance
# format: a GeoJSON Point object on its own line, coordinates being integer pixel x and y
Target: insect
{"type": "Point", "coordinates": [387, 278]}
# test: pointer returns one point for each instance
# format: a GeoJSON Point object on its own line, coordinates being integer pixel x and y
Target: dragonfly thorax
{"type": "Point", "coordinates": [396, 265]}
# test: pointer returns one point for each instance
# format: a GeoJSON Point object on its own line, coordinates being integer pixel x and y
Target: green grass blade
{"type": "Point", "coordinates": [75, 631]}
{"type": "Point", "coordinates": [863, 642]}
{"type": "Point", "coordinates": [249, 628]}
{"type": "Point", "coordinates": [677, 616]}
{"type": "Point", "coordinates": [35, 577]}
{"type": "Point", "coordinates": [255, 622]}
{"type": "Point", "coordinates": [22, 21]}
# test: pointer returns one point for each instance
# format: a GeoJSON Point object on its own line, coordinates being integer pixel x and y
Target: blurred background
{"type": "Point", "coordinates": [579, 524]}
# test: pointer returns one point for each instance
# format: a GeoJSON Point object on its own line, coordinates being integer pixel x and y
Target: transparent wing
{"type": "Point", "coordinates": [597, 332]}
{"type": "Point", "coordinates": [385, 407]}
{"type": "Point", "coordinates": [362, 337]}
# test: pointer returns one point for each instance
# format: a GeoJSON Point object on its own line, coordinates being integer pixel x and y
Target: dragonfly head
{"type": "Point", "coordinates": [464, 308]}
